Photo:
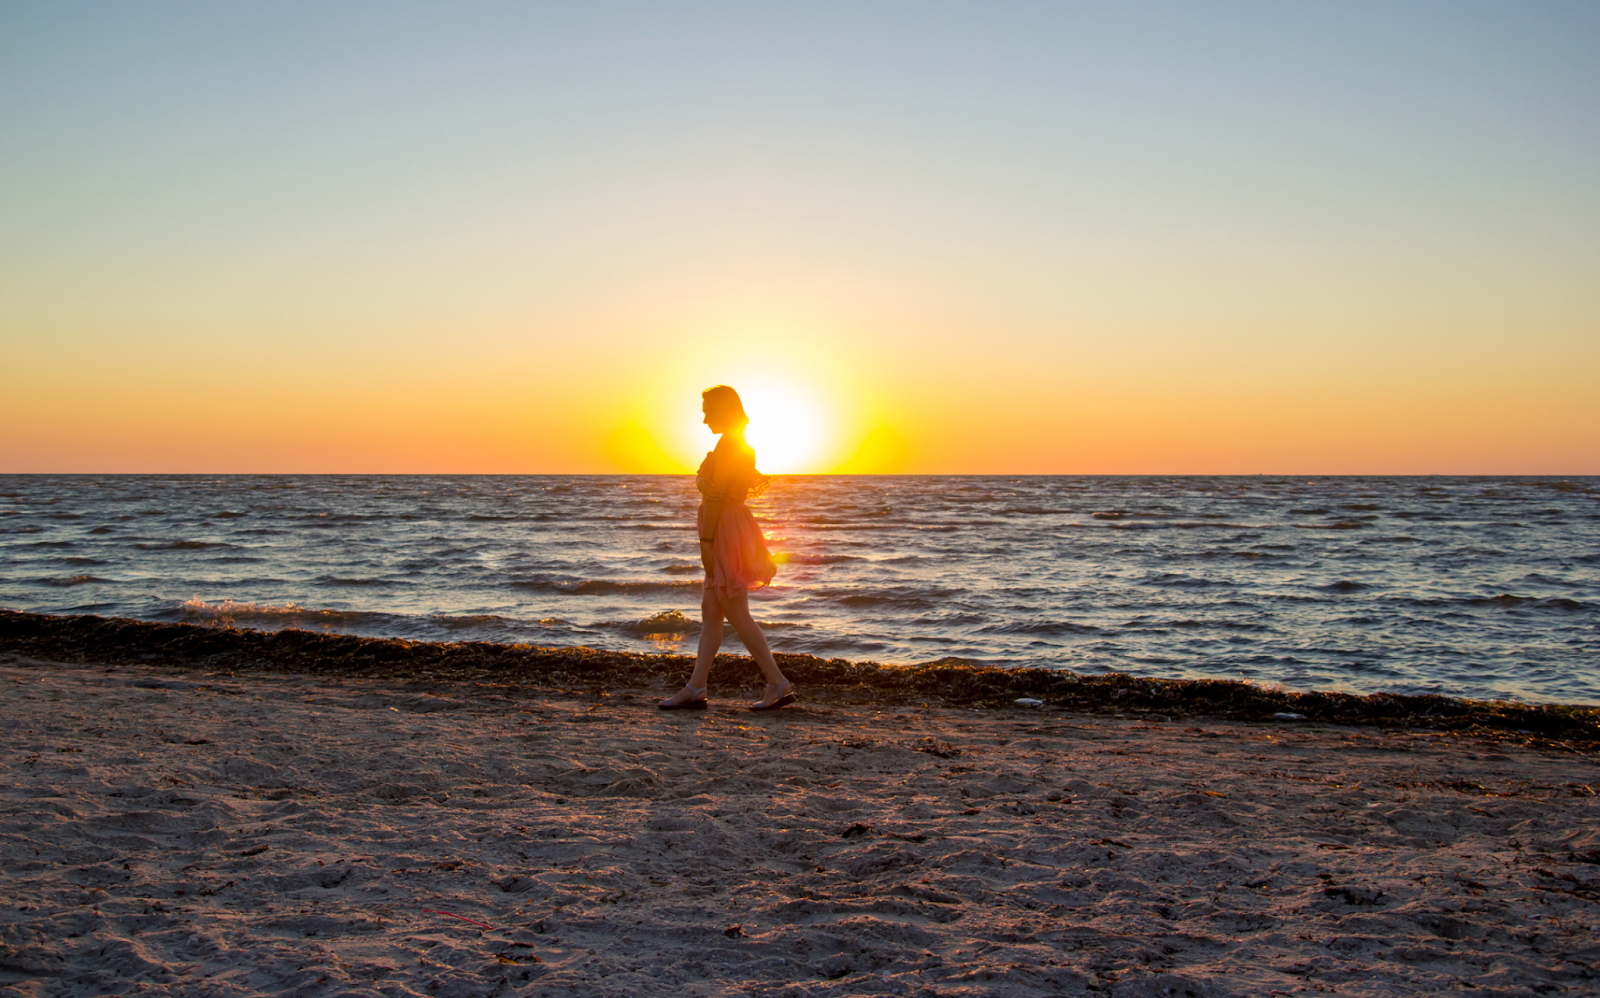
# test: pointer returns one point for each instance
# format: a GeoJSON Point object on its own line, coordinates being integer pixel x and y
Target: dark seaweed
{"type": "Point", "coordinates": [116, 641]}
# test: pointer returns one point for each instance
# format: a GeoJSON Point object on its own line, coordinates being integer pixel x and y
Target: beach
{"type": "Point", "coordinates": [177, 829]}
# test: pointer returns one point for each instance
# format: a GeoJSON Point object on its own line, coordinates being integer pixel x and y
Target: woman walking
{"type": "Point", "coordinates": [733, 553]}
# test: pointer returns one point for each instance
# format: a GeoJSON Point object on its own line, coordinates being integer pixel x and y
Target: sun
{"type": "Point", "coordinates": [793, 427]}
{"type": "Point", "coordinates": [786, 429]}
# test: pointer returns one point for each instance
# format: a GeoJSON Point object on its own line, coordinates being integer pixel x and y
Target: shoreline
{"type": "Point", "coordinates": [89, 639]}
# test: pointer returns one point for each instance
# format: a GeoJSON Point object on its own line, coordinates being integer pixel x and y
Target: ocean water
{"type": "Point", "coordinates": [1482, 587]}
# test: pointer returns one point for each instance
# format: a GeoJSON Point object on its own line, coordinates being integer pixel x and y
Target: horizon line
{"type": "Point", "coordinates": [806, 474]}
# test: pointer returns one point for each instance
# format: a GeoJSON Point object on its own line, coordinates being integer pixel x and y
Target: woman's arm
{"type": "Point", "coordinates": [731, 471]}
{"type": "Point", "coordinates": [711, 502]}
{"type": "Point", "coordinates": [713, 508]}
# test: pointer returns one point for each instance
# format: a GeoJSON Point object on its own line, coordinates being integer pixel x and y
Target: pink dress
{"type": "Point", "coordinates": [740, 560]}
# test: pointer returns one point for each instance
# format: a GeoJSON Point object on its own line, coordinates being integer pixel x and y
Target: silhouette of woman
{"type": "Point", "coordinates": [733, 552]}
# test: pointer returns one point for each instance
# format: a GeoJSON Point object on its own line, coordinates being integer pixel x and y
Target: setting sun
{"type": "Point", "coordinates": [785, 429]}
{"type": "Point", "coordinates": [802, 422]}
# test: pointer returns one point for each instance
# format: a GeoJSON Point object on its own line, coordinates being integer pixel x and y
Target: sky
{"type": "Point", "coordinates": [919, 237]}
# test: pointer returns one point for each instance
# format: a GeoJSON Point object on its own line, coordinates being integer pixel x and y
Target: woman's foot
{"type": "Point", "coordinates": [777, 696]}
{"type": "Point", "coordinates": [687, 698]}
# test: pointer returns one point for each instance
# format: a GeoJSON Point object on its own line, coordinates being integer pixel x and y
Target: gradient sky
{"type": "Point", "coordinates": [925, 237]}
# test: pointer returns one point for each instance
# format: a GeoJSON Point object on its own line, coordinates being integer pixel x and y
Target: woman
{"type": "Point", "coordinates": [733, 552]}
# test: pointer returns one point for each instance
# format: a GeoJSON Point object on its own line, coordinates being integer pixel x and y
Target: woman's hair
{"type": "Point", "coordinates": [725, 400]}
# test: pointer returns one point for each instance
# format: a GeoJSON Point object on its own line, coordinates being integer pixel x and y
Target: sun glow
{"type": "Point", "coordinates": [786, 429]}
{"type": "Point", "coordinates": [806, 419]}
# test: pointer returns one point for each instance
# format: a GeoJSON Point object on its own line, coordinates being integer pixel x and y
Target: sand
{"type": "Point", "coordinates": [171, 832]}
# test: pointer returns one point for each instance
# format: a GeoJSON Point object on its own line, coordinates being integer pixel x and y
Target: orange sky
{"type": "Point", "coordinates": [1055, 242]}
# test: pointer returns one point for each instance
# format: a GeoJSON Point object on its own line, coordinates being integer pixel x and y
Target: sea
{"type": "Point", "coordinates": [1473, 587]}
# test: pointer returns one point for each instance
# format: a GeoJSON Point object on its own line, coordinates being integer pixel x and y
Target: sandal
{"type": "Point", "coordinates": [696, 701]}
{"type": "Point", "coordinates": [785, 697]}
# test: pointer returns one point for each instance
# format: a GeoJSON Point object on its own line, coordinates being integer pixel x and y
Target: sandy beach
{"type": "Point", "coordinates": [175, 832]}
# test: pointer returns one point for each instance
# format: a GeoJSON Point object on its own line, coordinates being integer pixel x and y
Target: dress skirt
{"type": "Point", "coordinates": [740, 560]}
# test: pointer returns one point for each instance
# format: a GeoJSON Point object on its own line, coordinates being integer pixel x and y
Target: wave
{"type": "Point", "coordinates": [1239, 625]}
{"type": "Point", "coordinates": [673, 623]}
{"type": "Point", "coordinates": [1540, 579]}
{"type": "Point", "coordinates": [949, 662]}
{"type": "Point", "coordinates": [1185, 525]}
{"type": "Point", "coordinates": [797, 558]}
{"type": "Point", "coordinates": [334, 580]}
{"type": "Point", "coordinates": [1503, 600]}
{"type": "Point", "coordinates": [1532, 602]}
{"type": "Point", "coordinates": [1123, 514]}
{"type": "Point", "coordinates": [473, 621]}
{"type": "Point", "coordinates": [604, 587]}
{"type": "Point", "coordinates": [182, 545]}
{"type": "Point", "coordinates": [72, 580]}
{"type": "Point", "coordinates": [1045, 627]}
{"type": "Point", "coordinates": [1179, 580]}
{"type": "Point", "coordinates": [1344, 586]}
{"type": "Point", "coordinates": [279, 616]}
{"type": "Point", "coordinates": [913, 596]}
{"type": "Point", "coordinates": [898, 525]}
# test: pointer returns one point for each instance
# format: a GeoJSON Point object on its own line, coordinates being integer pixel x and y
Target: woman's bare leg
{"type": "Point", "coordinates": [710, 641]}
{"type": "Point", "coordinates": [737, 609]}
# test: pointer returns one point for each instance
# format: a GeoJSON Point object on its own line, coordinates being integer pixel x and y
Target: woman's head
{"type": "Point", "coordinates": [723, 408]}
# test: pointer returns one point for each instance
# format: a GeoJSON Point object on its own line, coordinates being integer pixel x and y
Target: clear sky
{"type": "Point", "coordinates": [1310, 238]}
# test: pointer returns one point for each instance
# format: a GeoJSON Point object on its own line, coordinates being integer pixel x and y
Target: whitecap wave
{"type": "Point", "coordinates": [276, 616]}
{"type": "Point", "coordinates": [674, 623]}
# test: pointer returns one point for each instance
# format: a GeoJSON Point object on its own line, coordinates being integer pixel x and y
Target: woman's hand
{"type": "Point", "coordinates": [705, 558]}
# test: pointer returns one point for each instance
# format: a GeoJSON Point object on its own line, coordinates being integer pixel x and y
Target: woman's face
{"type": "Point", "coordinates": [713, 419]}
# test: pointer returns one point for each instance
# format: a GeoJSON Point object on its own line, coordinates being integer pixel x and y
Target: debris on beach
{"type": "Point", "coordinates": [90, 639]}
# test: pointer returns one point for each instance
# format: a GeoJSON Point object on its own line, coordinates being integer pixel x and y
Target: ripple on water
{"type": "Point", "coordinates": [1469, 586]}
